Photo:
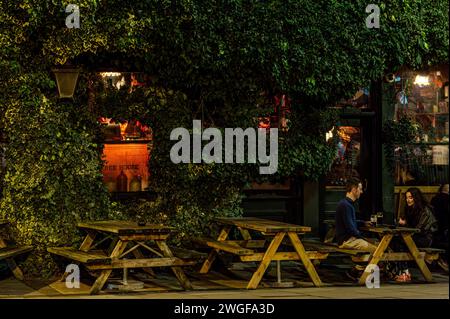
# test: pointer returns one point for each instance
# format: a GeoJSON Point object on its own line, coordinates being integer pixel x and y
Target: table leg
{"type": "Point", "coordinates": [138, 254]}
{"type": "Point", "coordinates": [112, 245]}
{"type": "Point", "coordinates": [14, 268]}
{"type": "Point", "coordinates": [329, 237]}
{"type": "Point", "coordinates": [17, 272]}
{"type": "Point", "coordinates": [213, 254]}
{"type": "Point", "coordinates": [88, 240]}
{"type": "Point", "coordinates": [179, 273]}
{"type": "Point", "coordinates": [416, 255]}
{"type": "Point", "coordinates": [245, 233]}
{"type": "Point", "coordinates": [300, 249]}
{"type": "Point", "coordinates": [267, 258]}
{"type": "Point", "coordinates": [101, 280]}
{"type": "Point", "coordinates": [376, 257]}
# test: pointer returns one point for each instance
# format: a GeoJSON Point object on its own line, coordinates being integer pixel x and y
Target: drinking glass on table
{"type": "Point", "coordinates": [373, 219]}
{"type": "Point", "coordinates": [379, 218]}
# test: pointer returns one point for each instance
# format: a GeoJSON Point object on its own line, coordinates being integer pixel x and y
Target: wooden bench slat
{"type": "Point", "coordinates": [316, 245]}
{"type": "Point", "coordinates": [262, 225]}
{"type": "Point", "coordinates": [397, 256]}
{"type": "Point", "coordinates": [347, 251]}
{"type": "Point", "coordinates": [124, 228]}
{"type": "Point", "coordinates": [432, 250]}
{"type": "Point", "coordinates": [432, 253]}
{"type": "Point", "coordinates": [228, 247]}
{"type": "Point", "coordinates": [9, 252]}
{"type": "Point", "coordinates": [328, 248]}
{"type": "Point", "coordinates": [285, 256]}
{"type": "Point", "coordinates": [143, 263]}
{"type": "Point", "coordinates": [81, 256]}
{"type": "Point", "coordinates": [186, 253]}
{"type": "Point", "coordinates": [252, 243]}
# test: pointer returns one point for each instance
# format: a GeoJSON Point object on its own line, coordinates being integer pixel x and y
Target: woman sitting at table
{"type": "Point", "coordinates": [416, 214]}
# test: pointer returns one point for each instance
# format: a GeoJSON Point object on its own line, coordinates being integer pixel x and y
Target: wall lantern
{"type": "Point", "coordinates": [66, 79]}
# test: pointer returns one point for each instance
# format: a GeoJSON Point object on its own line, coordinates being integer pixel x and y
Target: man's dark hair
{"type": "Point", "coordinates": [351, 183]}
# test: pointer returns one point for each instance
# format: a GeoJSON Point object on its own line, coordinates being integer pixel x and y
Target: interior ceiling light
{"type": "Point", "coordinates": [421, 80]}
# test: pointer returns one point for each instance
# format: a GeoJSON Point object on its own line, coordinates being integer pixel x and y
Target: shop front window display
{"type": "Point", "coordinates": [422, 97]}
{"type": "Point", "coordinates": [126, 154]}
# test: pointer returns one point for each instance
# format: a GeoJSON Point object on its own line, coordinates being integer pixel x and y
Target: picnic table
{"type": "Point", "coordinates": [123, 235]}
{"type": "Point", "coordinates": [9, 252]}
{"type": "Point", "coordinates": [247, 251]}
{"type": "Point", "coordinates": [385, 252]}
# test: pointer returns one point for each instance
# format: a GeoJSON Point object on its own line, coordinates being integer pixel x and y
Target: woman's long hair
{"type": "Point", "coordinates": [412, 214]}
{"type": "Point", "coordinates": [419, 201]}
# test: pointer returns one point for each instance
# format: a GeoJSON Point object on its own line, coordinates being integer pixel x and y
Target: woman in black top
{"type": "Point", "coordinates": [416, 214]}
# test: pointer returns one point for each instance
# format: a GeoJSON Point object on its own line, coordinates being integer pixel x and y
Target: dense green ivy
{"type": "Point", "coordinates": [206, 57]}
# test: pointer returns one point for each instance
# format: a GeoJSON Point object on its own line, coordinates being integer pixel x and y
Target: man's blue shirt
{"type": "Point", "coordinates": [346, 223]}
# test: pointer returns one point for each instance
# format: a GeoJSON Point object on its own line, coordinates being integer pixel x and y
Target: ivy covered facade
{"type": "Point", "coordinates": [217, 56]}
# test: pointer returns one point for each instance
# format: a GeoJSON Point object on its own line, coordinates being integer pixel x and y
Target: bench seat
{"type": "Point", "coordinates": [80, 256]}
{"type": "Point", "coordinates": [142, 263]}
{"type": "Point", "coordinates": [187, 254]}
{"type": "Point", "coordinates": [432, 253]}
{"type": "Point", "coordinates": [9, 252]}
{"type": "Point", "coordinates": [332, 248]}
{"type": "Point", "coordinates": [228, 247]}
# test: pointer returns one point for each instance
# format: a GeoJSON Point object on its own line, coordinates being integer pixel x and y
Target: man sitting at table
{"type": "Point", "coordinates": [347, 234]}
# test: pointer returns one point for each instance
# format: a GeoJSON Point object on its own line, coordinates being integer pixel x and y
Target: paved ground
{"type": "Point", "coordinates": [229, 282]}
{"type": "Point", "coordinates": [421, 291]}
{"type": "Point", "coordinates": [11, 288]}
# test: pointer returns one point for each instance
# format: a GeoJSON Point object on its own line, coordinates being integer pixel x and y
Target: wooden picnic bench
{"type": "Point", "coordinates": [419, 255]}
{"type": "Point", "coordinates": [430, 253]}
{"type": "Point", "coordinates": [9, 252]}
{"type": "Point", "coordinates": [247, 249]}
{"type": "Point", "coordinates": [384, 252]}
{"type": "Point", "coordinates": [123, 235]}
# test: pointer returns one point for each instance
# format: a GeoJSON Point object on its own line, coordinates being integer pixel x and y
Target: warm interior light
{"type": "Point", "coordinates": [109, 74]}
{"type": "Point", "coordinates": [421, 80]}
{"type": "Point", "coordinates": [329, 134]}
{"type": "Point", "coordinates": [115, 79]}
{"type": "Point", "coordinates": [132, 159]}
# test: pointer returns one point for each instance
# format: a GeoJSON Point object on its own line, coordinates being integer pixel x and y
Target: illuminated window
{"type": "Point", "coordinates": [347, 161]}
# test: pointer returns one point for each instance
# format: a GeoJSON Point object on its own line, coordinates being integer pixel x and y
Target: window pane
{"type": "Point", "coordinates": [347, 161]}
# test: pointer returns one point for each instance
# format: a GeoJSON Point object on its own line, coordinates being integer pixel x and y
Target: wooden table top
{"type": "Point", "coordinates": [385, 229]}
{"type": "Point", "coordinates": [120, 227]}
{"type": "Point", "coordinates": [262, 225]}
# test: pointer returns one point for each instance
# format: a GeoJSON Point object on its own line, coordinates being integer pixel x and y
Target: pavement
{"type": "Point", "coordinates": [229, 282]}
{"type": "Point", "coordinates": [421, 291]}
{"type": "Point", "coordinates": [439, 289]}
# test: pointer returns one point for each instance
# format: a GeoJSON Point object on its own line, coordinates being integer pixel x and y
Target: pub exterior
{"type": "Point", "coordinates": [88, 113]}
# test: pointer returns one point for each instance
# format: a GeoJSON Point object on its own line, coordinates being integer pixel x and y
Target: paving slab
{"type": "Point", "coordinates": [235, 289]}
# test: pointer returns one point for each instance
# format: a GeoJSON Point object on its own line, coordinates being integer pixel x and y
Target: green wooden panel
{"type": "Point", "coordinates": [274, 209]}
{"type": "Point", "coordinates": [387, 178]}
